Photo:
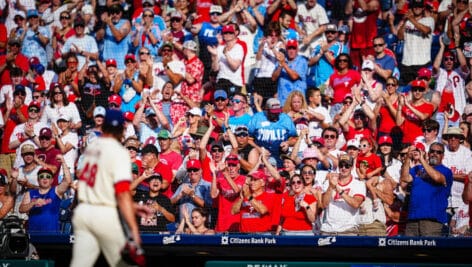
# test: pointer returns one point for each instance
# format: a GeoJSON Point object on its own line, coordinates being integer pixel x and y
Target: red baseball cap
{"type": "Point", "coordinates": [292, 43]}
{"type": "Point", "coordinates": [129, 116]}
{"type": "Point", "coordinates": [258, 175]}
{"type": "Point", "coordinates": [34, 104]}
{"type": "Point", "coordinates": [424, 72]}
{"type": "Point", "coordinates": [130, 56]}
{"type": "Point", "coordinates": [232, 159]}
{"type": "Point", "coordinates": [111, 62]}
{"type": "Point", "coordinates": [418, 83]}
{"type": "Point", "coordinates": [115, 99]}
{"type": "Point", "coordinates": [227, 28]}
{"type": "Point", "coordinates": [385, 139]}
{"type": "Point", "coordinates": [194, 164]}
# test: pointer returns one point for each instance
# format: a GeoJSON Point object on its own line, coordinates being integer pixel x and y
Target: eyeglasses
{"type": "Point", "coordinates": [390, 84]}
{"type": "Point", "coordinates": [144, 53]}
{"type": "Point", "coordinates": [417, 89]}
{"type": "Point", "coordinates": [330, 32]}
{"type": "Point", "coordinates": [220, 99]}
{"type": "Point", "coordinates": [449, 58]}
{"type": "Point", "coordinates": [434, 151]}
{"type": "Point", "coordinates": [328, 136]}
{"type": "Point", "coordinates": [45, 138]}
{"type": "Point", "coordinates": [148, 15]}
{"type": "Point", "coordinates": [27, 154]}
{"type": "Point", "coordinates": [237, 101]}
{"type": "Point", "coordinates": [45, 176]}
{"type": "Point", "coordinates": [378, 45]}
{"type": "Point", "coordinates": [214, 14]}
{"type": "Point", "coordinates": [347, 102]}
{"type": "Point", "coordinates": [175, 20]}
{"type": "Point", "coordinates": [344, 166]}
{"type": "Point", "coordinates": [242, 135]}
{"type": "Point", "coordinates": [215, 150]}
{"type": "Point", "coordinates": [428, 130]}
{"type": "Point", "coordinates": [308, 172]}
{"type": "Point", "coordinates": [64, 17]}
{"type": "Point", "coordinates": [296, 182]}
{"type": "Point", "coordinates": [34, 110]}
{"type": "Point", "coordinates": [193, 170]}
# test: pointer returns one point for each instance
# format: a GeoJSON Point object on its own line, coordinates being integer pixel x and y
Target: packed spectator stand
{"type": "Point", "coordinates": [282, 117]}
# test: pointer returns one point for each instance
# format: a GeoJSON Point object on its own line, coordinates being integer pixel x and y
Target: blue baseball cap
{"type": "Point", "coordinates": [114, 118]}
{"type": "Point", "coordinates": [32, 13]}
{"type": "Point", "coordinates": [220, 93]}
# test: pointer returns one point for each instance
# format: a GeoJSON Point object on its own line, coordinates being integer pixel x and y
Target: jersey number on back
{"type": "Point", "coordinates": [88, 174]}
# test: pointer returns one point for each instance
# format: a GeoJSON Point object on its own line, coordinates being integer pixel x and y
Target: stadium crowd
{"type": "Point", "coordinates": [316, 117]}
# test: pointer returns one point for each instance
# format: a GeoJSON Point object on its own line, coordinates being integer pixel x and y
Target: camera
{"type": "Point", "coordinates": [14, 241]}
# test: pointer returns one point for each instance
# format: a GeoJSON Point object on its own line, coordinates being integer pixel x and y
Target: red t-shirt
{"type": "Point", "coordinates": [251, 220]}
{"type": "Point", "coordinates": [226, 198]}
{"type": "Point", "coordinates": [342, 84]}
{"type": "Point", "coordinates": [387, 120]}
{"type": "Point", "coordinates": [49, 157]}
{"type": "Point", "coordinates": [21, 61]}
{"type": "Point", "coordinates": [412, 126]}
{"type": "Point", "coordinates": [294, 219]}
{"type": "Point", "coordinates": [354, 133]}
{"type": "Point", "coordinates": [10, 124]}
{"type": "Point", "coordinates": [373, 161]}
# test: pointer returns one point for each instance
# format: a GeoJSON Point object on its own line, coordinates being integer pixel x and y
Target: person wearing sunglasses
{"type": "Point", "coordinates": [247, 150]}
{"type": "Point", "coordinates": [298, 209]}
{"type": "Point", "coordinates": [146, 34]}
{"type": "Point", "coordinates": [450, 83]}
{"type": "Point", "coordinates": [84, 45]}
{"type": "Point", "coordinates": [117, 43]}
{"type": "Point", "coordinates": [430, 132]}
{"type": "Point", "coordinates": [193, 192]}
{"type": "Point", "coordinates": [43, 203]}
{"type": "Point", "coordinates": [430, 180]}
{"type": "Point", "coordinates": [413, 109]}
{"type": "Point", "coordinates": [457, 158]}
{"type": "Point", "coordinates": [342, 199]}
{"type": "Point", "coordinates": [385, 64]}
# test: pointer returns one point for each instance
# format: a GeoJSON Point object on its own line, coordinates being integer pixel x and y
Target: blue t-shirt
{"type": "Point", "coordinates": [269, 134]}
{"type": "Point", "coordinates": [320, 72]}
{"type": "Point", "coordinates": [243, 120]}
{"type": "Point", "coordinates": [45, 218]}
{"type": "Point", "coordinates": [286, 85]}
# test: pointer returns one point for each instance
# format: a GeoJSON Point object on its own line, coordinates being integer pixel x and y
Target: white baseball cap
{"type": "Point", "coordinates": [99, 111]}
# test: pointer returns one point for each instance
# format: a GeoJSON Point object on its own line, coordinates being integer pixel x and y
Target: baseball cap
{"type": "Point", "coordinates": [310, 153]}
{"type": "Point", "coordinates": [167, 44]}
{"type": "Point", "coordinates": [292, 43]}
{"type": "Point", "coordinates": [191, 45]}
{"type": "Point", "coordinates": [385, 139]}
{"type": "Point", "coordinates": [63, 117]}
{"type": "Point", "coordinates": [201, 130]}
{"type": "Point", "coordinates": [353, 143]}
{"type": "Point", "coordinates": [319, 140]}
{"type": "Point", "coordinates": [45, 132]}
{"type": "Point", "coordinates": [79, 21]}
{"type": "Point", "coordinates": [227, 28]}
{"type": "Point", "coordinates": [287, 156]}
{"type": "Point", "coordinates": [33, 61]}
{"type": "Point", "coordinates": [241, 130]}
{"type": "Point", "coordinates": [418, 83]}
{"type": "Point", "coordinates": [164, 134]}
{"type": "Point", "coordinates": [176, 14]}
{"type": "Point", "coordinates": [416, 3]}
{"type": "Point", "coordinates": [111, 62]}
{"type": "Point", "coordinates": [344, 29]}
{"type": "Point", "coordinates": [419, 145]}
{"type": "Point", "coordinates": [220, 93]}
{"type": "Point", "coordinates": [130, 56]}
{"type": "Point", "coordinates": [99, 111]}
{"type": "Point", "coordinates": [368, 64]}
{"type": "Point", "coordinates": [3, 177]}
{"type": "Point", "coordinates": [149, 112]}
{"type": "Point", "coordinates": [195, 111]}
{"type": "Point", "coordinates": [258, 175]}
{"type": "Point", "coordinates": [217, 144]}
{"type": "Point", "coordinates": [194, 164]}
{"type": "Point", "coordinates": [21, 14]}
{"type": "Point", "coordinates": [35, 104]}
{"type": "Point", "coordinates": [424, 72]}
{"type": "Point", "coordinates": [232, 159]}
{"type": "Point", "coordinates": [87, 10]}
{"type": "Point", "coordinates": [132, 142]}
{"type": "Point", "coordinates": [129, 116]}
{"type": "Point", "coordinates": [346, 159]}
{"type": "Point", "coordinates": [19, 88]}
{"type": "Point", "coordinates": [32, 13]}
{"type": "Point", "coordinates": [331, 27]}
{"type": "Point", "coordinates": [153, 176]}
{"type": "Point", "coordinates": [115, 99]}
{"type": "Point", "coordinates": [114, 118]}
{"type": "Point", "coordinates": [45, 170]}
{"type": "Point", "coordinates": [13, 41]}
{"type": "Point", "coordinates": [27, 148]}
{"type": "Point", "coordinates": [216, 9]}
{"type": "Point", "coordinates": [273, 105]}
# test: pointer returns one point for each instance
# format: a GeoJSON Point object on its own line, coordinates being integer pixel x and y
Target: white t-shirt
{"type": "Point", "coordinates": [310, 20]}
{"type": "Point", "coordinates": [460, 163]}
{"type": "Point", "coordinates": [7, 90]}
{"type": "Point", "coordinates": [50, 115]}
{"type": "Point", "coordinates": [17, 131]}
{"type": "Point", "coordinates": [225, 72]}
{"type": "Point", "coordinates": [71, 156]}
{"type": "Point", "coordinates": [417, 48]}
{"type": "Point", "coordinates": [453, 82]}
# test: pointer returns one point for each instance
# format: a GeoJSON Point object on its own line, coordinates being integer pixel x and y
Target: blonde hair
{"type": "Point", "coordinates": [288, 103]}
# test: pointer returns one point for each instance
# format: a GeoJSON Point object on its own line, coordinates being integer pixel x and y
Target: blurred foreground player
{"type": "Point", "coordinates": [104, 196]}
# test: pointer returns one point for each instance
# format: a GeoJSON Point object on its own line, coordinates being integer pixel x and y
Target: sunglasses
{"type": "Point", "coordinates": [347, 102]}
{"type": "Point", "coordinates": [232, 165]}
{"type": "Point", "coordinates": [378, 45]}
{"type": "Point", "coordinates": [19, 93]}
{"type": "Point", "coordinates": [18, 18]}
{"type": "Point", "coordinates": [132, 148]}
{"type": "Point", "coordinates": [148, 15]}
{"type": "Point", "coordinates": [417, 89]}
{"type": "Point", "coordinates": [144, 53]}
{"type": "Point", "coordinates": [402, 154]}
{"type": "Point", "coordinates": [115, 12]}
{"type": "Point", "coordinates": [308, 172]}
{"type": "Point", "coordinates": [449, 58]}
{"type": "Point", "coordinates": [343, 60]}
{"type": "Point", "coordinates": [434, 151]}
{"type": "Point", "coordinates": [237, 101]}
{"type": "Point", "coordinates": [193, 170]}
{"type": "Point", "coordinates": [214, 14]}
{"type": "Point", "coordinates": [428, 130]}
{"type": "Point", "coordinates": [45, 176]}
{"type": "Point", "coordinates": [34, 110]}
{"type": "Point", "coordinates": [220, 99]}
{"type": "Point", "coordinates": [391, 84]}
{"type": "Point", "coordinates": [129, 61]}
{"type": "Point", "coordinates": [344, 166]}
{"type": "Point", "coordinates": [228, 32]}
{"type": "Point", "coordinates": [242, 135]}
{"type": "Point", "coordinates": [15, 44]}
{"type": "Point", "coordinates": [44, 138]}
{"type": "Point", "coordinates": [27, 154]}
{"type": "Point", "coordinates": [330, 32]}
{"type": "Point", "coordinates": [175, 20]}
{"type": "Point", "coordinates": [113, 105]}
{"type": "Point", "coordinates": [329, 136]}
{"type": "Point", "coordinates": [296, 182]}
{"type": "Point", "coordinates": [64, 17]}
{"type": "Point", "coordinates": [57, 93]}
{"type": "Point", "coordinates": [36, 96]}
{"type": "Point", "coordinates": [214, 150]}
